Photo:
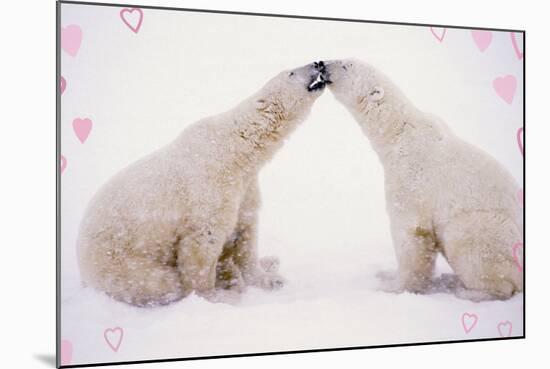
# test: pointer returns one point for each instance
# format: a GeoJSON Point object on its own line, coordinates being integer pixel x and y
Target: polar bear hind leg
{"type": "Point", "coordinates": [244, 247]}
{"type": "Point", "coordinates": [228, 274]}
{"type": "Point", "coordinates": [478, 248]}
{"type": "Point", "coordinates": [140, 281]}
{"type": "Point", "coordinates": [198, 255]}
{"type": "Point", "coordinates": [416, 251]}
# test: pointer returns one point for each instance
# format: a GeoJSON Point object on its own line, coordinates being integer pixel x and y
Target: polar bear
{"type": "Point", "coordinates": [442, 194]}
{"type": "Point", "coordinates": [184, 218]}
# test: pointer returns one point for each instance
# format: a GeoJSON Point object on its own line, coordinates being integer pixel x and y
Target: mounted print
{"type": "Point", "coordinates": [239, 184]}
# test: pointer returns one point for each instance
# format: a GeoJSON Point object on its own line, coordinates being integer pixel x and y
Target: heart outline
{"type": "Point", "coordinates": [439, 38]}
{"type": "Point", "coordinates": [519, 54]}
{"type": "Point", "coordinates": [505, 323]}
{"type": "Point", "coordinates": [108, 331]}
{"type": "Point", "coordinates": [63, 85]}
{"type": "Point", "coordinates": [63, 163]}
{"type": "Point", "coordinates": [515, 251]}
{"type": "Point", "coordinates": [472, 325]}
{"type": "Point", "coordinates": [519, 136]}
{"type": "Point", "coordinates": [127, 22]}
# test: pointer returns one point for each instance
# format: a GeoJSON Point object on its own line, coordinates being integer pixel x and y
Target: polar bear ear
{"type": "Point", "coordinates": [376, 94]}
{"type": "Point", "coordinates": [260, 104]}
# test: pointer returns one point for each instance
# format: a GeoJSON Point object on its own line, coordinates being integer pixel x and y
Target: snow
{"type": "Point", "coordinates": [326, 304]}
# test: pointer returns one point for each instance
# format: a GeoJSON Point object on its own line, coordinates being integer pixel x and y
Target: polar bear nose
{"type": "Point", "coordinates": [320, 66]}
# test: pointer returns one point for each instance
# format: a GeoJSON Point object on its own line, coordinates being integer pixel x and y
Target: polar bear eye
{"type": "Point", "coordinates": [377, 93]}
{"type": "Point", "coordinates": [291, 74]}
{"type": "Point", "coordinates": [346, 66]}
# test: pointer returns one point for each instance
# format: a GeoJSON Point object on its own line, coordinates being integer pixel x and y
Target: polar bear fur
{"type": "Point", "coordinates": [442, 194]}
{"type": "Point", "coordinates": [185, 217]}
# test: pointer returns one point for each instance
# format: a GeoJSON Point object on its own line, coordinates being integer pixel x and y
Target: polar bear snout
{"type": "Point", "coordinates": [308, 76]}
{"type": "Point", "coordinates": [318, 80]}
{"type": "Point", "coordinates": [320, 66]}
{"type": "Point", "coordinates": [352, 84]}
{"type": "Point", "coordinates": [334, 70]}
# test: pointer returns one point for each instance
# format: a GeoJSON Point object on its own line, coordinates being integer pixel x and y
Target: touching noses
{"type": "Point", "coordinates": [320, 66]}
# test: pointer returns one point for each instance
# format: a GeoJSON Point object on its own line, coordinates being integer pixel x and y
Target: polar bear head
{"type": "Point", "coordinates": [355, 84]}
{"type": "Point", "coordinates": [289, 96]}
{"type": "Point", "coordinates": [376, 103]}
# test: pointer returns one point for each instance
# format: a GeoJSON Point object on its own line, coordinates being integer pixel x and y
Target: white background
{"type": "Point", "coordinates": [29, 203]}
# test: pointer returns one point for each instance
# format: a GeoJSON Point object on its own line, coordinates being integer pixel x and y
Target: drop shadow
{"type": "Point", "coordinates": [47, 359]}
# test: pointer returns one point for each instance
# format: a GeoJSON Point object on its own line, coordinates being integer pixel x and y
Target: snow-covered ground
{"type": "Point", "coordinates": [330, 301]}
{"type": "Point", "coordinates": [323, 210]}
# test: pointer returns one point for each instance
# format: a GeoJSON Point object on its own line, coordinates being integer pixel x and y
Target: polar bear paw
{"type": "Point", "coordinates": [395, 282]}
{"type": "Point", "coordinates": [217, 296]}
{"type": "Point", "coordinates": [270, 264]}
{"type": "Point", "coordinates": [389, 282]}
{"type": "Point", "coordinates": [269, 281]}
{"type": "Point", "coordinates": [473, 295]}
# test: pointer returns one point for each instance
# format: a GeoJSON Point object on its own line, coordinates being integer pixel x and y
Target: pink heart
{"type": "Point", "coordinates": [82, 128]}
{"type": "Point", "coordinates": [482, 39]}
{"type": "Point", "coordinates": [133, 21]}
{"type": "Point", "coordinates": [71, 37]}
{"type": "Point", "coordinates": [505, 329]}
{"type": "Point", "coordinates": [519, 53]}
{"type": "Point", "coordinates": [517, 250]}
{"type": "Point", "coordinates": [63, 163]}
{"type": "Point", "coordinates": [441, 35]}
{"type": "Point", "coordinates": [520, 140]}
{"type": "Point", "coordinates": [469, 321]}
{"type": "Point", "coordinates": [63, 84]}
{"type": "Point", "coordinates": [505, 87]}
{"type": "Point", "coordinates": [66, 352]}
{"type": "Point", "coordinates": [520, 198]}
{"type": "Point", "coordinates": [113, 337]}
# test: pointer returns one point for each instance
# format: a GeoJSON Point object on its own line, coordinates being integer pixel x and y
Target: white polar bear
{"type": "Point", "coordinates": [442, 194]}
{"type": "Point", "coordinates": [184, 218]}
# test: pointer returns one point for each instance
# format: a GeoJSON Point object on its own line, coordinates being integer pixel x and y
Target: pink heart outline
{"type": "Point", "coordinates": [505, 87]}
{"type": "Point", "coordinates": [71, 38]}
{"type": "Point", "coordinates": [123, 13]}
{"type": "Point", "coordinates": [108, 331]}
{"type": "Point", "coordinates": [63, 163]}
{"type": "Point", "coordinates": [482, 39]}
{"type": "Point", "coordinates": [66, 352]}
{"type": "Point", "coordinates": [82, 128]}
{"type": "Point", "coordinates": [519, 136]}
{"type": "Point", "coordinates": [519, 54]}
{"type": "Point", "coordinates": [471, 326]}
{"type": "Point", "coordinates": [439, 38]}
{"type": "Point", "coordinates": [516, 247]}
{"type": "Point", "coordinates": [506, 323]}
{"type": "Point", "coordinates": [63, 85]}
